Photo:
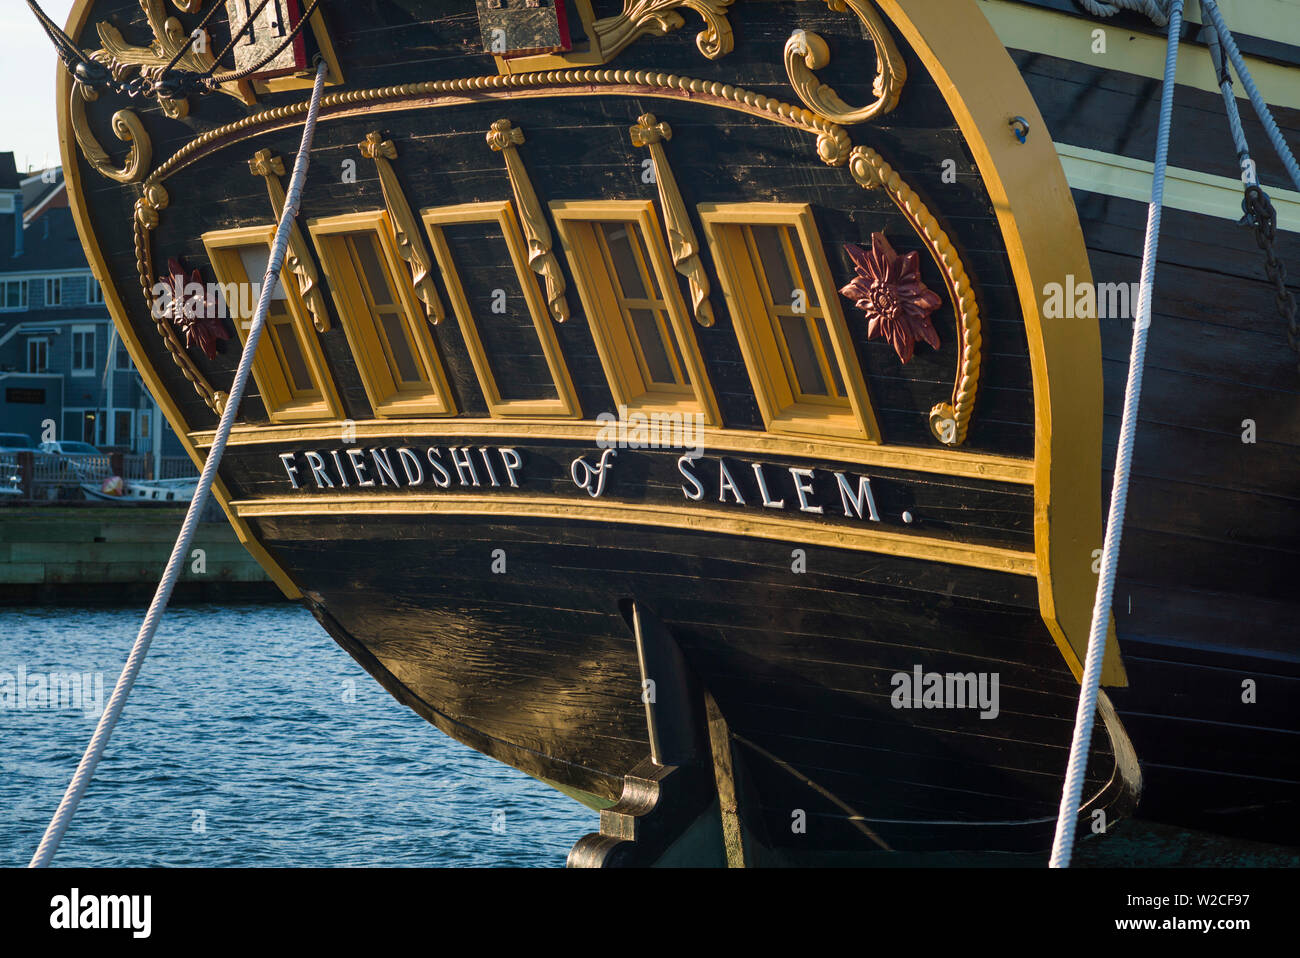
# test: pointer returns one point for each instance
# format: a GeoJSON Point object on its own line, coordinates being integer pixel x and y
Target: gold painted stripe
{"type": "Point", "coordinates": [1067, 37]}
{"type": "Point", "coordinates": [1113, 175]}
{"type": "Point", "coordinates": [943, 462]}
{"type": "Point", "coordinates": [729, 523]}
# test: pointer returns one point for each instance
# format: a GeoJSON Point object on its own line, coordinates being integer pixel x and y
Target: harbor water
{"type": "Point", "coordinates": [250, 739]}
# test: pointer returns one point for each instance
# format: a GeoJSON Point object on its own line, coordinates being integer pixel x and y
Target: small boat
{"type": "Point", "coordinates": [124, 492]}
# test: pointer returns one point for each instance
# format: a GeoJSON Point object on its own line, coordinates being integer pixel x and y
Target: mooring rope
{"type": "Point", "coordinates": [1261, 105]}
{"type": "Point", "coordinates": [1072, 793]}
{"type": "Point", "coordinates": [1157, 10]}
{"type": "Point", "coordinates": [86, 769]}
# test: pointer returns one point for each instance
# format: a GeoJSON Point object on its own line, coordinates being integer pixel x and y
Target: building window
{"type": "Point", "coordinates": [122, 427]}
{"type": "Point", "coordinates": [38, 355]}
{"type": "Point", "coordinates": [86, 425]}
{"type": "Point", "coordinates": [94, 291]}
{"type": "Point", "coordinates": [83, 351]}
{"type": "Point", "coordinates": [13, 294]}
{"type": "Point", "coordinates": [386, 328]}
{"type": "Point", "coordinates": [289, 366]}
{"type": "Point", "coordinates": [500, 309]}
{"type": "Point", "coordinates": [801, 359]}
{"type": "Point", "coordinates": [121, 358]}
{"type": "Point", "coordinates": [634, 308]}
{"type": "Point", "coordinates": [54, 291]}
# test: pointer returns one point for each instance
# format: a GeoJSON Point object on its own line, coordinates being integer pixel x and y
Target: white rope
{"type": "Point", "coordinates": [1257, 100]}
{"type": "Point", "coordinates": [86, 769]}
{"type": "Point", "coordinates": [1072, 793]}
{"type": "Point", "coordinates": [1157, 10]}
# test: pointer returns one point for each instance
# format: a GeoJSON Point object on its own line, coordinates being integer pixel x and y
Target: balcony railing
{"type": "Point", "coordinates": [43, 476]}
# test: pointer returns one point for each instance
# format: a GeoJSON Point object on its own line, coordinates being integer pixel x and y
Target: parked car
{"type": "Point", "coordinates": [70, 448]}
{"type": "Point", "coordinates": [74, 459]}
{"type": "Point", "coordinates": [16, 442]}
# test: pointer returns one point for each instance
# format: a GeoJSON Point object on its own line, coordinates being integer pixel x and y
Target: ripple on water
{"type": "Point", "coordinates": [238, 752]}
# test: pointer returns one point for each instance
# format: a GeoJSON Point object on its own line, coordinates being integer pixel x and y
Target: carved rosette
{"type": "Point", "coordinates": [949, 421]}
{"type": "Point", "coordinates": [505, 138]}
{"type": "Point", "coordinates": [682, 242]}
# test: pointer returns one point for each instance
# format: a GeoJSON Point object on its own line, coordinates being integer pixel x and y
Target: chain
{"type": "Point", "coordinates": [1263, 217]}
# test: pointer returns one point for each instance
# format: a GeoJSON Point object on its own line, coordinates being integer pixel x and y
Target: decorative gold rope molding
{"type": "Point", "coordinates": [406, 228]}
{"type": "Point", "coordinates": [155, 198]}
{"type": "Point", "coordinates": [682, 242]}
{"type": "Point", "coordinates": [806, 51]}
{"type": "Point", "coordinates": [271, 167]}
{"type": "Point", "coordinates": [728, 522]}
{"type": "Point", "coordinates": [948, 421]}
{"type": "Point", "coordinates": [505, 138]}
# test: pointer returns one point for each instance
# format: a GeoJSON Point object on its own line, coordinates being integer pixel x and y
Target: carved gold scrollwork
{"type": "Point", "coordinates": [948, 421]}
{"type": "Point", "coordinates": [660, 17]}
{"type": "Point", "coordinates": [505, 138]}
{"type": "Point", "coordinates": [682, 242]}
{"type": "Point", "coordinates": [806, 52]}
{"type": "Point", "coordinates": [406, 228]}
{"type": "Point", "coordinates": [155, 198]}
{"type": "Point", "coordinates": [127, 127]}
{"type": "Point", "coordinates": [271, 167]}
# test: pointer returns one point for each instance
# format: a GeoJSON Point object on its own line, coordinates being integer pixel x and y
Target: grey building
{"type": "Point", "coordinates": [63, 368]}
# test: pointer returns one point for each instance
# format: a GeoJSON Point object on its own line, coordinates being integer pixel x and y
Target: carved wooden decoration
{"type": "Point", "coordinates": [192, 308]}
{"type": "Point", "coordinates": [504, 138]}
{"type": "Point", "coordinates": [948, 421]}
{"type": "Point", "coordinates": [806, 51]}
{"type": "Point", "coordinates": [271, 167]}
{"type": "Point", "coordinates": [406, 228]}
{"type": "Point", "coordinates": [889, 292]}
{"type": "Point", "coordinates": [660, 17]}
{"type": "Point", "coordinates": [682, 242]}
{"type": "Point", "coordinates": [128, 128]}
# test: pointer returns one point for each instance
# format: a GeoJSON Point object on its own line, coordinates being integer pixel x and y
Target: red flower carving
{"type": "Point", "coordinates": [193, 308]}
{"type": "Point", "coordinates": [889, 291]}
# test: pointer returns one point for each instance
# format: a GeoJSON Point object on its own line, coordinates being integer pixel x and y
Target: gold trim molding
{"type": "Point", "coordinates": [940, 462]}
{"type": "Point", "coordinates": [406, 228]}
{"type": "Point", "coordinates": [271, 167]}
{"type": "Point", "coordinates": [724, 522]}
{"type": "Point", "coordinates": [949, 421]}
{"type": "Point", "coordinates": [505, 138]}
{"type": "Point", "coordinates": [682, 241]}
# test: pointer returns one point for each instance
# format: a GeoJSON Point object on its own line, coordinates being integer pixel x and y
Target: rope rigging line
{"type": "Point", "coordinates": [1157, 10]}
{"type": "Point", "coordinates": [1072, 792]}
{"type": "Point", "coordinates": [95, 750]}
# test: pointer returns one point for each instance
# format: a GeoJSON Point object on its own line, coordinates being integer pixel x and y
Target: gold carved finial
{"type": "Point", "coordinates": [406, 228]}
{"type": "Point", "coordinates": [271, 167]}
{"type": "Point", "coordinates": [504, 138]}
{"type": "Point", "coordinates": [682, 242]}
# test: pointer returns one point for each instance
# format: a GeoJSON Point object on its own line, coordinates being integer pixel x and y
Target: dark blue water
{"type": "Point", "coordinates": [252, 739]}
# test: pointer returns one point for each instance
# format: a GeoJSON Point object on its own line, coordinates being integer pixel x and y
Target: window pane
{"type": "Point", "coordinates": [626, 268]}
{"type": "Point", "coordinates": [395, 331]}
{"type": "Point", "coordinates": [294, 361]}
{"type": "Point", "coordinates": [369, 255]}
{"type": "Point", "coordinates": [652, 346]}
{"type": "Point", "coordinates": [803, 356]}
{"type": "Point", "coordinates": [825, 335]}
{"type": "Point", "coordinates": [771, 253]}
{"type": "Point", "coordinates": [255, 260]}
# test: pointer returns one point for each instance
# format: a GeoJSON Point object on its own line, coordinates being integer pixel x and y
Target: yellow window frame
{"type": "Point", "coordinates": [785, 409]}
{"type": "Point", "coordinates": [607, 310]}
{"type": "Point", "coordinates": [268, 367]}
{"type": "Point", "coordinates": [501, 213]}
{"type": "Point", "coordinates": [389, 399]}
